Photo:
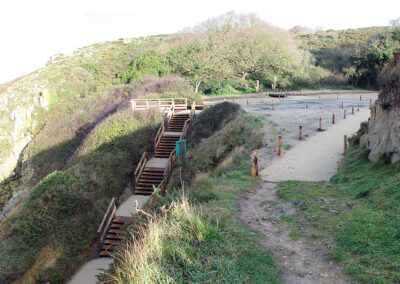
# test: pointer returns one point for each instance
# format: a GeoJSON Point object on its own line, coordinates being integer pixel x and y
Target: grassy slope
{"type": "Point", "coordinates": [366, 227]}
{"type": "Point", "coordinates": [198, 239]}
{"type": "Point", "coordinates": [75, 198]}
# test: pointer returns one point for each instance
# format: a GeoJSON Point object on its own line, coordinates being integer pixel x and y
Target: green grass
{"type": "Point", "coordinates": [356, 215]}
{"type": "Point", "coordinates": [197, 238]}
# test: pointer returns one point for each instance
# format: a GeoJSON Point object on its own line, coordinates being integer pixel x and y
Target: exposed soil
{"type": "Point", "coordinates": [314, 158]}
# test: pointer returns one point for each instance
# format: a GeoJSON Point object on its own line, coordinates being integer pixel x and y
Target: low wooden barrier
{"type": "Point", "coordinates": [162, 104]}
{"type": "Point", "coordinates": [139, 169]}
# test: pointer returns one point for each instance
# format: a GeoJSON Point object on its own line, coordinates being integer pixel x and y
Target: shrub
{"type": "Point", "coordinates": [150, 62]}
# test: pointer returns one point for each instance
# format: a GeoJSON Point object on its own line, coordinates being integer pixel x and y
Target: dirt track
{"type": "Point", "coordinates": [315, 159]}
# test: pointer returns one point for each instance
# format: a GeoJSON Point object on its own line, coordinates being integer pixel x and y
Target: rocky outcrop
{"type": "Point", "coordinates": [383, 135]}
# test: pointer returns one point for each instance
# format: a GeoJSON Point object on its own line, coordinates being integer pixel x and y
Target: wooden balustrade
{"type": "Point", "coordinates": [163, 104]}
{"type": "Point", "coordinates": [107, 219]}
{"type": "Point", "coordinates": [140, 168]}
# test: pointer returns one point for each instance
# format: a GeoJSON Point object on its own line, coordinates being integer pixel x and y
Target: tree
{"type": "Point", "coordinates": [194, 61]}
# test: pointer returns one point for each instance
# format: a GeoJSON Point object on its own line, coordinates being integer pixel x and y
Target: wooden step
{"type": "Point", "coordinates": [154, 169]}
{"type": "Point", "coordinates": [144, 192]}
{"type": "Point", "coordinates": [114, 237]}
{"type": "Point", "coordinates": [123, 219]}
{"type": "Point", "coordinates": [112, 242]}
{"type": "Point", "coordinates": [153, 181]}
{"type": "Point", "coordinates": [115, 231]}
{"type": "Point", "coordinates": [108, 247]}
{"type": "Point", "coordinates": [116, 225]}
{"type": "Point", "coordinates": [105, 253]}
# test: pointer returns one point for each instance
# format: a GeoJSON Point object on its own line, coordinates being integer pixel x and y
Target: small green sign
{"type": "Point", "coordinates": [179, 147]}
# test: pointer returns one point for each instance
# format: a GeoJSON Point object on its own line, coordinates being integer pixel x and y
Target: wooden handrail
{"type": "Point", "coordinates": [140, 167]}
{"type": "Point", "coordinates": [164, 104]}
{"type": "Point", "coordinates": [107, 219]}
{"type": "Point", "coordinates": [159, 134]}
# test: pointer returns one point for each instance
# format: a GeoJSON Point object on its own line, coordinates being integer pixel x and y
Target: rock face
{"type": "Point", "coordinates": [383, 136]}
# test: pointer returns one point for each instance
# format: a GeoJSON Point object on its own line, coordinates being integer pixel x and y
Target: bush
{"type": "Point", "coordinates": [149, 62]}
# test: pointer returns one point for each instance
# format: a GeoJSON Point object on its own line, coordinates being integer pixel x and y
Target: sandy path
{"type": "Point", "coordinates": [315, 159]}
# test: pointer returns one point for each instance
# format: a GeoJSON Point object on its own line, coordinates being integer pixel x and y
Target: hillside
{"type": "Point", "coordinates": [358, 54]}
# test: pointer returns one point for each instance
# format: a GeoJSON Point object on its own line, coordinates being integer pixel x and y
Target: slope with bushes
{"type": "Point", "coordinates": [358, 54]}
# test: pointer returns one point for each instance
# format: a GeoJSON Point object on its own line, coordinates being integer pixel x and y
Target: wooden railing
{"type": "Point", "coordinates": [139, 168]}
{"type": "Point", "coordinates": [107, 219]}
{"type": "Point", "coordinates": [167, 171]}
{"type": "Point", "coordinates": [162, 104]}
{"type": "Point", "coordinates": [159, 134]}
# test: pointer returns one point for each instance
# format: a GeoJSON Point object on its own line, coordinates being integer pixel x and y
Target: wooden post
{"type": "Point", "coordinates": [333, 118]}
{"type": "Point", "coordinates": [273, 107]}
{"type": "Point", "coordinates": [352, 110]}
{"type": "Point", "coordinates": [360, 97]}
{"type": "Point", "coordinates": [300, 129]}
{"type": "Point", "coordinates": [279, 144]}
{"type": "Point", "coordinates": [370, 102]}
{"type": "Point", "coordinates": [257, 85]}
{"type": "Point", "coordinates": [358, 108]}
{"type": "Point", "coordinates": [254, 170]}
{"type": "Point", "coordinates": [345, 143]}
{"type": "Point", "coordinates": [224, 99]}
{"type": "Point", "coordinates": [337, 97]}
{"type": "Point", "coordinates": [342, 105]}
{"type": "Point", "coordinates": [320, 123]}
{"type": "Point", "coordinates": [306, 106]}
{"type": "Point", "coordinates": [344, 114]}
{"type": "Point", "coordinates": [247, 102]}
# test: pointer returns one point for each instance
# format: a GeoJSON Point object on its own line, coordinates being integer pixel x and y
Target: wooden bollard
{"type": "Point", "coordinates": [273, 107]}
{"type": "Point", "coordinates": [352, 110]}
{"type": "Point", "coordinates": [345, 143]}
{"type": "Point", "coordinates": [320, 123]}
{"type": "Point", "coordinates": [344, 114]}
{"type": "Point", "coordinates": [306, 106]}
{"type": "Point", "coordinates": [360, 98]}
{"type": "Point", "coordinates": [300, 130]}
{"type": "Point", "coordinates": [224, 99]}
{"type": "Point", "coordinates": [370, 102]}
{"type": "Point", "coordinates": [342, 105]}
{"type": "Point", "coordinates": [279, 145]}
{"type": "Point", "coordinates": [337, 97]}
{"type": "Point", "coordinates": [247, 102]}
{"type": "Point", "coordinates": [333, 118]}
{"type": "Point", "coordinates": [254, 170]}
{"type": "Point", "coordinates": [358, 108]}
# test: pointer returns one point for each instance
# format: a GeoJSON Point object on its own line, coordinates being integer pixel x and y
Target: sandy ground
{"type": "Point", "coordinates": [314, 158]}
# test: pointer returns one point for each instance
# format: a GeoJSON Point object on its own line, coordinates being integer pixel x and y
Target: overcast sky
{"type": "Point", "coordinates": [33, 30]}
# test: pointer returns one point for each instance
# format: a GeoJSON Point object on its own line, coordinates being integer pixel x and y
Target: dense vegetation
{"type": "Point", "coordinates": [194, 237]}
{"type": "Point", "coordinates": [359, 207]}
{"type": "Point", "coordinates": [389, 80]}
{"type": "Point", "coordinates": [357, 54]}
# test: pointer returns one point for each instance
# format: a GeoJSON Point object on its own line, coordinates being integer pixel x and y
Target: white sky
{"type": "Point", "coordinates": [33, 30]}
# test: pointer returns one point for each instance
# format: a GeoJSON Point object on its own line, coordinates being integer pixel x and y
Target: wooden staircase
{"type": "Point", "coordinates": [150, 177]}
{"type": "Point", "coordinates": [177, 122]}
{"type": "Point", "coordinates": [110, 230]}
{"type": "Point", "coordinates": [166, 146]}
